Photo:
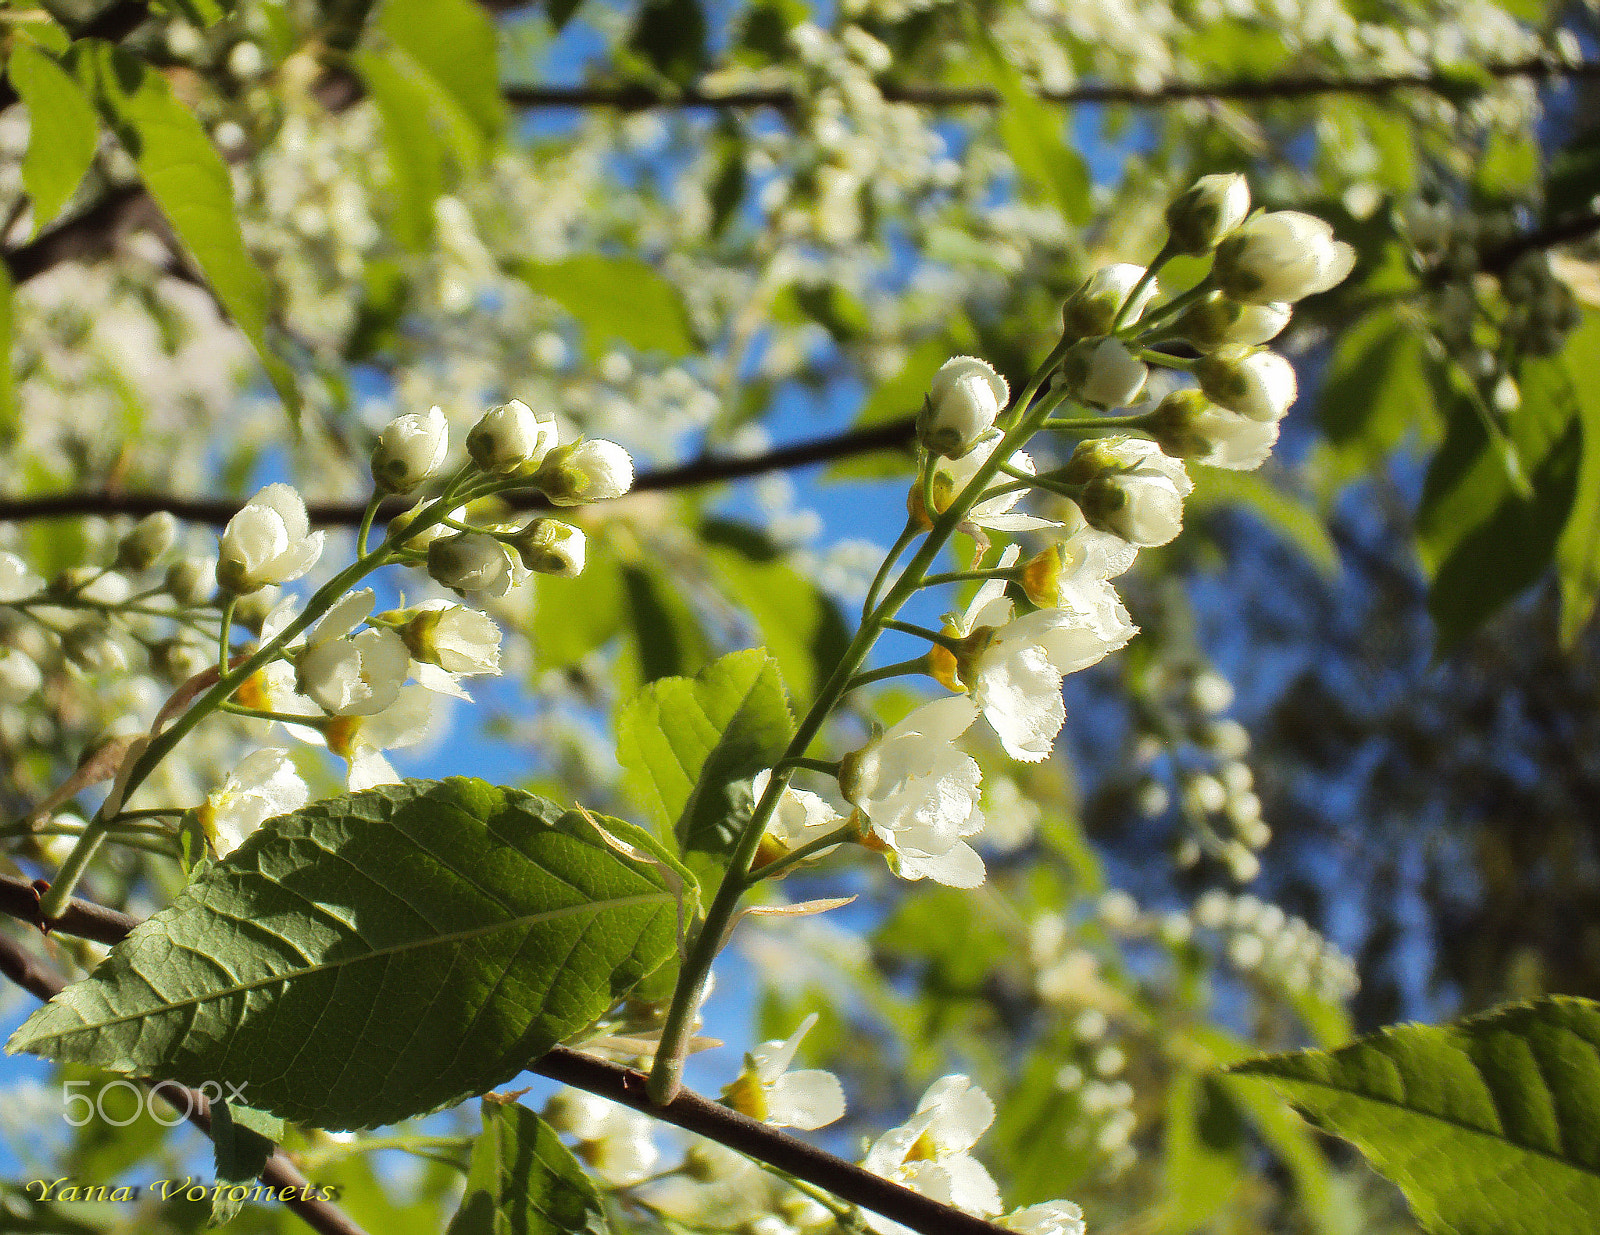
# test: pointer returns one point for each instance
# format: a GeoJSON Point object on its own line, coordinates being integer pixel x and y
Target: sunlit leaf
{"type": "Point", "coordinates": [1490, 1125]}
{"type": "Point", "coordinates": [63, 130]}
{"type": "Point", "coordinates": [524, 1181]}
{"type": "Point", "coordinates": [614, 299]}
{"type": "Point", "coordinates": [374, 956]}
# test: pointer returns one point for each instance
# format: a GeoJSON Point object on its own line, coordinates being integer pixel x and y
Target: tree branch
{"type": "Point", "coordinates": [623, 1085]}
{"type": "Point", "coordinates": [43, 982]}
{"type": "Point", "coordinates": [893, 435]}
{"type": "Point", "coordinates": [639, 97]}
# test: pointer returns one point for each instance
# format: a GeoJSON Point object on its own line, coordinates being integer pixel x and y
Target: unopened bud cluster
{"type": "Point", "coordinates": [1285, 952]}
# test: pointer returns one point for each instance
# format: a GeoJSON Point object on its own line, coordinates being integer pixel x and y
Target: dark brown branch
{"type": "Point", "coordinates": [43, 982]}
{"type": "Point", "coordinates": [1568, 231]}
{"type": "Point", "coordinates": [893, 435]}
{"type": "Point", "coordinates": [627, 1086]}
{"type": "Point", "coordinates": [636, 97]}
{"type": "Point", "coordinates": [82, 919]}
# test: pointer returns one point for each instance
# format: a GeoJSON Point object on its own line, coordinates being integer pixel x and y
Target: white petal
{"type": "Point", "coordinates": [807, 1100]}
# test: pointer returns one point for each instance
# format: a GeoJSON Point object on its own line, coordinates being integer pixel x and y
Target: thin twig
{"type": "Point", "coordinates": [280, 1174]}
{"type": "Point", "coordinates": [623, 1085]}
{"type": "Point", "coordinates": [890, 436]}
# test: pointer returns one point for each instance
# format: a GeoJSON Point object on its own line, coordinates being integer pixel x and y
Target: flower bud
{"type": "Point", "coordinates": [470, 562]}
{"type": "Point", "coordinates": [1284, 255]}
{"type": "Point", "coordinates": [1094, 307]}
{"type": "Point", "coordinates": [149, 538]}
{"type": "Point", "coordinates": [1133, 490]}
{"type": "Point", "coordinates": [93, 650]}
{"type": "Point", "coordinates": [590, 471]}
{"type": "Point", "coordinates": [410, 449]}
{"type": "Point", "coordinates": [457, 639]}
{"type": "Point", "coordinates": [1187, 425]}
{"type": "Point", "coordinates": [192, 580]}
{"type": "Point", "coordinates": [1258, 384]}
{"type": "Point", "coordinates": [268, 541]}
{"type": "Point", "coordinates": [19, 676]}
{"type": "Point", "coordinates": [1203, 214]}
{"type": "Point", "coordinates": [551, 547]}
{"type": "Point", "coordinates": [511, 438]}
{"type": "Point", "coordinates": [177, 660]}
{"type": "Point", "coordinates": [1103, 372]}
{"type": "Point", "coordinates": [964, 398]}
{"type": "Point", "coordinates": [1214, 321]}
{"type": "Point", "coordinates": [251, 611]}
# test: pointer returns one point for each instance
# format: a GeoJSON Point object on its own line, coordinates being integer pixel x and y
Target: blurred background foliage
{"type": "Point", "coordinates": [1357, 738]}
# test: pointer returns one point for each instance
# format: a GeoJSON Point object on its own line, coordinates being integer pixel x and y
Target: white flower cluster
{"type": "Point", "coordinates": [1263, 942]}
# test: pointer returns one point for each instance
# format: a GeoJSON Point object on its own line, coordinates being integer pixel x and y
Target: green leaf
{"type": "Point", "coordinates": [690, 746]}
{"type": "Point", "coordinates": [1204, 1151]}
{"type": "Point", "coordinates": [202, 13]}
{"type": "Point", "coordinates": [1490, 1126]}
{"type": "Point", "coordinates": [574, 617]}
{"type": "Point", "coordinates": [453, 41]}
{"type": "Point", "coordinates": [243, 1139]}
{"type": "Point", "coordinates": [524, 1181]}
{"type": "Point", "coordinates": [670, 35]}
{"type": "Point", "coordinates": [1480, 541]}
{"type": "Point", "coordinates": [189, 181]}
{"type": "Point", "coordinates": [1578, 550]}
{"type": "Point", "coordinates": [1031, 131]}
{"type": "Point", "coordinates": [63, 130]}
{"type": "Point", "coordinates": [665, 627]}
{"type": "Point", "coordinates": [798, 622]}
{"type": "Point", "coordinates": [374, 956]}
{"type": "Point", "coordinates": [1377, 392]}
{"type": "Point", "coordinates": [411, 141]}
{"type": "Point", "coordinates": [614, 299]}
{"type": "Point", "coordinates": [1291, 518]}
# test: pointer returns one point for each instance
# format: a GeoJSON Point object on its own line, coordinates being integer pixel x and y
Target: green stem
{"type": "Point", "coordinates": [1094, 425]}
{"type": "Point", "coordinates": [907, 535]}
{"type": "Point", "coordinates": [1166, 360]}
{"type": "Point", "coordinates": [367, 516]}
{"type": "Point", "coordinates": [900, 669]}
{"type": "Point", "coordinates": [949, 642]}
{"type": "Point", "coordinates": [964, 576]}
{"type": "Point", "coordinates": [828, 767]}
{"type": "Point", "coordinates": [1171, 309]}
{"type": "Point", "coordinates": [283, 718]}
{"type": "Point", "coordinates": [224, 646]}
{"type": "Point", "coordinates": [839, 836]}
{"type": "Point", "coordinates": [1147, 278]}
{"type": "Point", "coordinates": [666, 1074]}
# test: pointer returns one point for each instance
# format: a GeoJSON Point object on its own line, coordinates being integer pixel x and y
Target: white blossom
{"type": "Point", "coordinates": [929, 1152]}
{"type": "Point", "coordinates": [767, 1090]}
{"type": "Point", "coordinates": [1045, 1218]}
{"type": "Point", "coordinates": [361, 740]}
{"type": "Point", "coordinates": [920, 794]}
{"type": "Point", "coordinates": [17, 582]}
{"type": "Point", "coordinates": [269, 541]}
{"type": "Point", "coordinates": [410, 449]}
{"type": "Point", "coordinates": [351, 675]}
{"type": "Point", "coordinates": [951, 476]}
{"type": "Point", "coordinates": [964, 397]}
{"type": "Point", "coordinates": [1187, 425]}
{"type": "Point", "coordinates": [551, 547]}
{"type": "Point", "coordinates": [1015, 665]}
{"type": "Point", "coordinates": [263, 785]}
{"type": "Point", "coordinates": [617, 1142]}
{"type": "Point", "coordinates": [799, 818]}
{"type": "Point", "coordinates": [511, 438]}
{"type": "Point", "coordinates": [19, 676]}
{"type": "Point", "coordinates": [1284, 255]}
{"type": "Point", "coordinates": [588, 471]}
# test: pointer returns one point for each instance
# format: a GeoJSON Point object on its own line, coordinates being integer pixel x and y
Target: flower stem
{"type": "Point", "coordinates": [949, 642]}
{"type": "Point", "coordinates": [367, 516]}
{"type": "Point", "coordinates": [839, 836]}
{"type": "Point", "coordinates": [900, 669]}
{"type": "Point", "coordinates": [907, 535]}
{"type": "Point", "coordinates": [224, 647]}
{"type": "Point", "coordinates": [964, 576]}
{"type": "Point", "coordinates": [828, 767]}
